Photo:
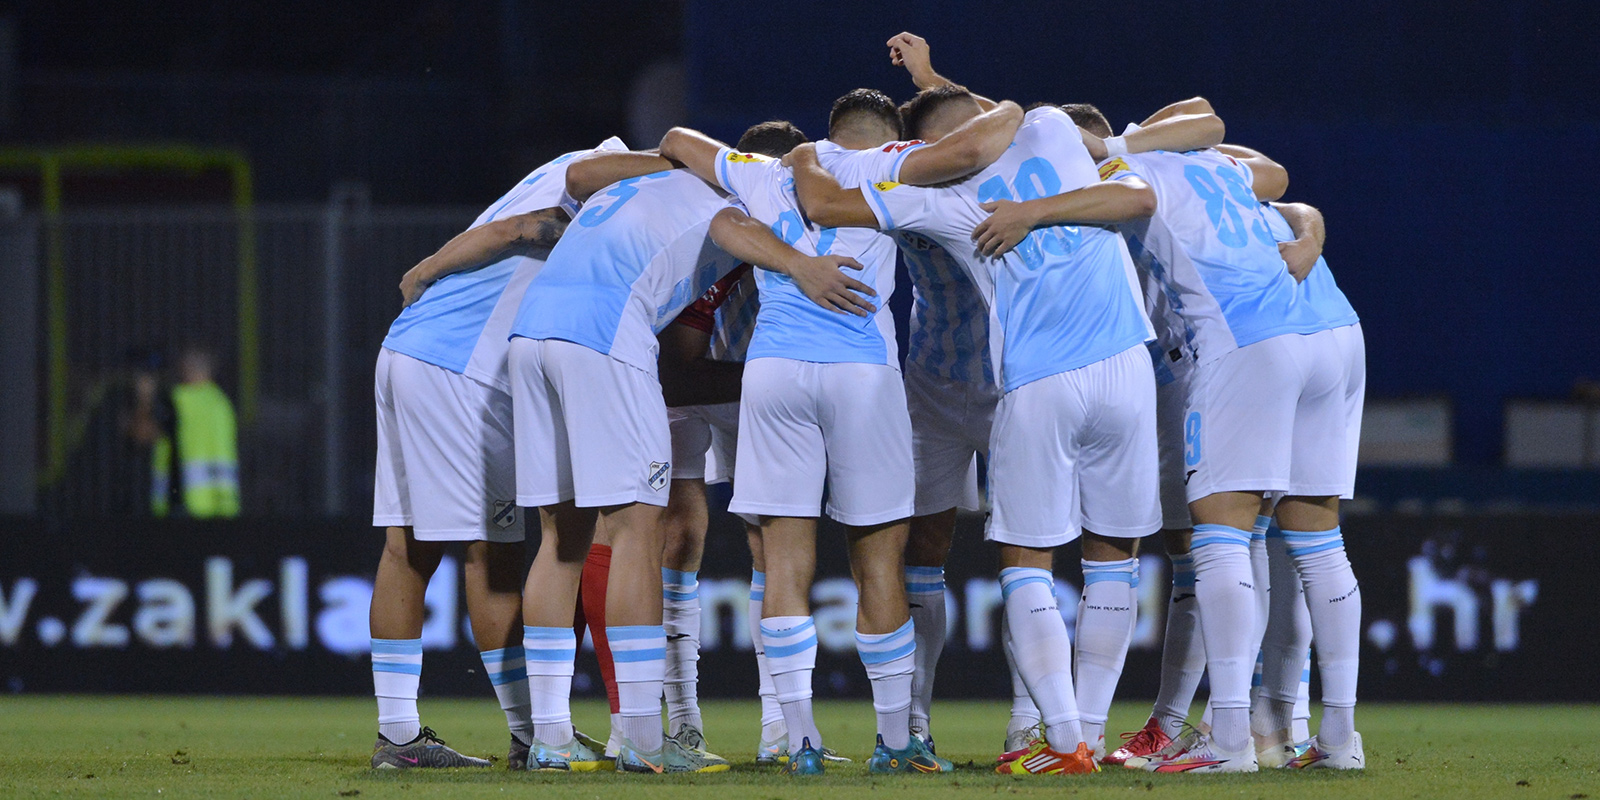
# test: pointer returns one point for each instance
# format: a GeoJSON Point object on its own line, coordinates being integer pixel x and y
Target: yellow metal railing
{"type": "Point", "coordinates": [51, 163]}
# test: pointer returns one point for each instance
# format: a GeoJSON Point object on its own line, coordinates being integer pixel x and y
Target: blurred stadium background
{"type": "Point", "coordinates": [252, 179]}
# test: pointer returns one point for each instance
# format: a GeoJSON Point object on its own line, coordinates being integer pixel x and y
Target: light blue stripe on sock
{"type": "Point", "coordinates": [783, 650]}
{"type": "Point", "coordinates": [503, 654]}
{"type": "Point", "coordinates": [1337, 533]}
{"type": "Point", "coordinates": [679, 578]}
{"type": "Point", "coordinates": [804, 626]}
{"type": "Point", "coordinates": [926, 572]}
{"type": "Point", "coordinates": [758, 578]}
{"type": "Point", "coordinates": [1014, 578]}
{"type": "Point", "coordinates": [635, 656]}
{"type": "Point", "coordinates": [681, 597]}
{"type": "Point", "coordinates": [396, 647]}
{"type": "Point", "coordinates": [403, 669]}
{"type": "Point", "coordinates": [1296, 552]}
{"type": "Point", "coordinates": [1305, 675]}
{"type": "Point", "coordinates": [504, 677]}
{"type": "Point", "coordinates": [1219, 534]}
{"type": "Point", "coordinates": [553, 654]}
{"type": "Point", "coordinates": [757, 594]}
{"type": "Point", "coordinates": [925, 588]}
{"type": "Point", "coordinates": [623, 633]}
{"type": "Point", "coordinates": [870, 657]}
{"type": "Point", "coordinates": [531, 632]}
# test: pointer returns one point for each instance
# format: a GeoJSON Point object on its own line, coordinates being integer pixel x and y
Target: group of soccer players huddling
{"type": "Point", "coordinates": [1129, 329]}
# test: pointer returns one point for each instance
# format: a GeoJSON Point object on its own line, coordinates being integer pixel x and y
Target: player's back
{"type": "Point", "coordinates": [1066, 296]}
{"type": "Point", "coordinates": [462, 321]}
{"type": "Point", "coordinates": [1213, 250]}
{"type": "Point", "coordinates": [1318, 290]}
{"type": "Point", "coordinates": [790, 324]}
{"type": "Point", "coordinates": [635, 255]}
{"type": "Point", "coordinates": [949, 325]}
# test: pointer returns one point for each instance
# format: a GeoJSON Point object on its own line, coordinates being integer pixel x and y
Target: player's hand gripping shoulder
{"type": "Point", "coordinates": [596, 171]}
{"type": "Point", "coordinates": [819, 277]}
{"type": "Point", "coordinates": [1301, 253]}
{"type": "Point", "coordinates": [483, 245]}
{"type": "Point", "coordinates": [1105, 203]}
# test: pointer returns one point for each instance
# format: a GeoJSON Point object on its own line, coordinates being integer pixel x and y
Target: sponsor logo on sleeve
{"type": "Point", "coordinates": [901, 147]}
{"type": "Point", "coordinates": [884, 186]}
{"type": "Point", "coordinates": [1112, 167]}
{"type": "Point", "coordinates": [746, 158]}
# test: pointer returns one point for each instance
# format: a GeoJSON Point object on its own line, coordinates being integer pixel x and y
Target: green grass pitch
{"type": "Point", "coordinates": [312, 747]}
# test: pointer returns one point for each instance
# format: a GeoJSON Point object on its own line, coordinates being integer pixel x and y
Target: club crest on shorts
{"type": "Point", "coordinates": [504, 515]}
{"type": "Point", "coordinates": [658, 474]}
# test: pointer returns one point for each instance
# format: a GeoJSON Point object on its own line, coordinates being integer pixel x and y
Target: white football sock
{"type": "Point", "coordinates": [791, 644]}
{"type": "Point", "coordinates": [1183, 654]}
{"type": "Point", "coordinates": [680, 616]}
{"type": "Point", "coordinates": [1024, 714]}
{"type": "Point", "coordinates": [1287, 643]}
{"type": "Point", "coordinates": [639, 653]}
{"type": "Point", "coordinates": [1301, 729]}
{"type": "Point", "coordinates": [509, 677]}
{"type": "Point", "coordinates": [772, 727]}
{"type": "Point", "coordinates": [1044, 652]}
{"type": "Point", "coordinates": [1106, 616]}
{"type": "Point", "coordinates": [925, 593]}
{"type": "Point", "coordinates": [1225, 590]}
{"type": "Point", "coordinates": [396, 671]}
{"type": "Point", "coordinates": [1334, 598]}
{"type": "Point", "coordinates": [890, 659]}
{"type": "Point", "coordinates": [549, 653]}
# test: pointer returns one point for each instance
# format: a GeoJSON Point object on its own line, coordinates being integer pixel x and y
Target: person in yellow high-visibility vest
{"type": "Point", "coordinates": [204, 446]}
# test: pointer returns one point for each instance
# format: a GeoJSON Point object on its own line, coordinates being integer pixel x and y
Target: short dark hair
{"type": "Point", "coordinates": [1088, 118]}
{"type": "Point", "coordinates": [771, 138]}
{"type": "Point", "coordinates": [918, 110]}
{"type": "Point", "coordinates": [868, 103]}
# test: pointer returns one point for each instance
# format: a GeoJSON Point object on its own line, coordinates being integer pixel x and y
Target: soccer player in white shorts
{"type": "Point", "coordinates": [444, 467]}
{"type": "Point", "coordinates": [1262, 409]}
{"type": "Point", "coordinates": [824, 404]}
{"type": "Point", "coordinates": [701, 364]}
{"type": "Point", "coordinates": [1073, 445]}
{"type": "Point", "coordinates": [1316, 591]}
{"type": "Point", "coordinates": [593, 439]}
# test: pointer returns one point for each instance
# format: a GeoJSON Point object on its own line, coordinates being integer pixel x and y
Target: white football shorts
{"type": "Point", "coordinates": [803, 425]}
{"type": "Point", "coordinates": [590, 428]}
{"type": "Point", "coordinates": [1077, 451]}
{"type": "Point", "coordinates": [1270, 417]}
{"type": "Point", "coordinates": [445, 463]}
{"type": "Point", "coordinates": [1353, 346]}
{"type": "Point", "coordinates": [950, 425]}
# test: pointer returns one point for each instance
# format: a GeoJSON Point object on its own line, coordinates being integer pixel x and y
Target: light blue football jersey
{"type": "Point", "coordinates": [789, 324]}
{"type": "Point", "coordinates": [1318, 289]}
{"type": "Point", "coordinates": [1064, 298]}
{"type": "Point", "coordinates": [1212, 251]}
{"type": "Point", "coordinates": [949, 331]}
{"type": "Point", "coordinates": [635, 256]}
{"type": "Point", "coordinates": [462, 321]}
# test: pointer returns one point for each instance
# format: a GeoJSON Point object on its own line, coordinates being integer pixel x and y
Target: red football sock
{"type": "Point", "coordinates": [592, 606]}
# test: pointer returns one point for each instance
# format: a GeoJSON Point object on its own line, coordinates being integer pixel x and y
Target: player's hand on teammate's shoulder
{"type": "Point", "coordinates": [802, 153]}
{"type": "Point", "coordinates": [1300, 255]}
{"type": "Point", "coordinates": [1095, 144]}
{"type": "Point", "coordinates": [1008, 224]}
